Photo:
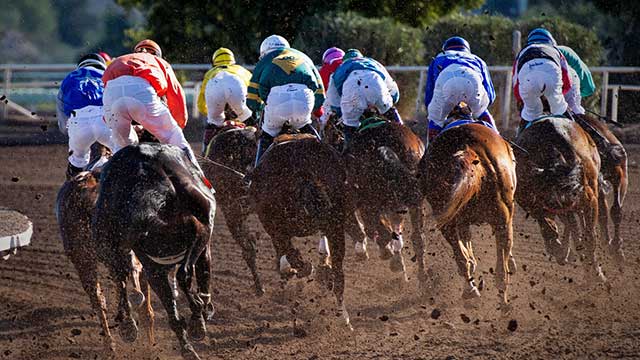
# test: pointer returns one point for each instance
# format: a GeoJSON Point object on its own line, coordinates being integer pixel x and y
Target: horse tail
{"type": "Point", "coordinates": [562, 178]}
{"type": "Point", "coordinates": [403, 185]}
{"type": "Point", "coordinates": [314, 197]}
{"type": "Point", "coordinates": [468, 176]}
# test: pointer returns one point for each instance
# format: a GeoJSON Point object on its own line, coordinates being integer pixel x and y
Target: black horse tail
{"type": "Point", "coordinates": [403, 184]}
{"type": "Point", "coordinates": [562, 177]}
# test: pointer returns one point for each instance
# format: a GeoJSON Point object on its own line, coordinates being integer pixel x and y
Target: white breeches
{"type": "Point", "coordinates": [455, 84]}
{"type": "Point", "coordinates": [291, 103]}
{"type": "Point", "coordinates": [226, 88]}
{"type": "Point", "coordinates": [573, 98]}
{"type": "Point", "coordinates": [536, 78]}
{"type": "Point", "coordinates": [85, 127]}
{"type": "Point", "coordinates": [361, 90]}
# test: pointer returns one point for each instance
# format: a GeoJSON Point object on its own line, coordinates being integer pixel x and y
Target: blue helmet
{"type": "Point", "coordinates": [540, 36]}
{"type": "Point", "coordinates": [456, 43]}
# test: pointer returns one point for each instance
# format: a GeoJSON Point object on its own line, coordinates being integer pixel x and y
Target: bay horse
{"type": "Point", "coordinates": [231, 153]}
{"type": "Point", "coordinates": [558, 171]}
{"type": "Point", "coordinates": [152, 201]}
{"type": "Point", "coordinates": [468, 176]}
{"type": "Point", "coordinates": [382, 162]}
{"type": "Point", "coordinates": [75, 204]}
{"type": "Point", "coordinates": [298, 189]}
{"type": "Point", "coordinates": [613, 168]}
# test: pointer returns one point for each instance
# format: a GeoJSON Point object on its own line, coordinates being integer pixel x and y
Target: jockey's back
{"type": "Point", "coordinates": [81, 87]}
{"type": "Point", "coordinates": [360, 63]}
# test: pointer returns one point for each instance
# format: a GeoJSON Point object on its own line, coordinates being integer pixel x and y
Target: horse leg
{"type": "Point", "coordinates": [355, 229]}
{"type": "Point", "coordinates": [396, 223]}
{"type": "Point", "coordinates": [247, 242]}
{"type": "Point", "coordinates": [145, 312]}
{"type": "Point", "coordinates": [375, 231]}
{"type": "Point", "coordinates": [119, 265]}
{"type": "Point", "coordinates": [504, 243]}
{"type": "Point", "coordinates": [417, 238]}
{"type": "Point", "coordinates": [87, 269]}
{"type": "Point", "coordinates": [337, 249]}
{"type": "Point", "coordinates": [590, 214]}
{"type": "Point", "coordinates": [450, 232]}
{"type": "Point", "coordinates": [203, 279]}
{"type": "Point", "coordinates": [289, 261]}
{"type": "Point", "coordinates": [549, 230]}
{"type": "Point", "coordinates": [619, 181]}
{"type": "Point", "coordinates": [158, 277]}
{"type": "Point", "coordinates": [464, 232]}
{"type": "Point", "coordinates": [136, 268]}
{"type": "Point", "coordinates": [603, 216]}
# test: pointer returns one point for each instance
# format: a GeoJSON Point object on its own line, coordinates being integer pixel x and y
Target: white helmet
{"type": "Point", "coordinates": [271, 43]}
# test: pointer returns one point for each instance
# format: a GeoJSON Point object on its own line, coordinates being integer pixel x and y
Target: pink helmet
{"type": "Point", "coordinates": [332, 54]}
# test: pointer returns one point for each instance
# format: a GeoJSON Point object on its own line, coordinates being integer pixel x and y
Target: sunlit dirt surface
{"type": "Point", "coordinates": [44, 313]}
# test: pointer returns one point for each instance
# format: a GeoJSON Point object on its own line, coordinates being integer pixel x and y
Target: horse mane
{"type": "Point", "coordinates": [467, 182]}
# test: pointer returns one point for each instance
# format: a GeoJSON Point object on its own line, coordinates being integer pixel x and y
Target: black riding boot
{"type": "Point", "coordinates": [210, 131]}
{"type": "Point", "coordinates": [72, 171]}
{"type": "Point", "coordinates": [393, 116]}
{"type": "Point", "coordinates": [308, 129]}
{"type": "Point", "coordinates": [348, 133]}
{"type": "Point", "coordinates": [263, 144]}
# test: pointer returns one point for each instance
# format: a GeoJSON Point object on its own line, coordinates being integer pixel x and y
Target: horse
{"type": "Point", "coordinates": [75, 204]}
{"type": "Point", "coordinates": [468, 176]}
{"type": "Point", "coordinates": [298, 189]}
{"type": "Point", "coordinates": [558, 173]}
{"type": "Point", "coordinates": [382, 162]}
{"type": "Point", "coordinates": [152, 201]}
{"type": "Point", "coordinates": [229, 154]}
{"type": "Point", "coordinates": [613, 168]}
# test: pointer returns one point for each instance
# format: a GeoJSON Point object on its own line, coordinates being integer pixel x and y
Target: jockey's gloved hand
{"type": "Point", "coordinates": [434, 130]}
{"type": "Point", "coordinates": [252, 120]}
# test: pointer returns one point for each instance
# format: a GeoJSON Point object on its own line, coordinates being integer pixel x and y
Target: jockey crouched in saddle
{"type": "Point", "coordinates": [223, 85]}
{"type": "Point", "coordinates": [142, 87]}
{"type": "Point", "coordinates": [331, 60]}
{"type": "Point", "coordinates": [287, 81]}
{"type": "Point", "coordinates": [539, 70]}
{"type": "Point", "coordinates": [79, 111]}
{"type": "Point", "coordinates": [457, 75]}
{"type": "Point", "coordinates": [360, 83]}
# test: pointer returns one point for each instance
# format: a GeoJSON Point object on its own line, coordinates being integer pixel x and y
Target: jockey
{"type": "Point", "coordinates": [290, 85]}
{"type": "Point", "coordinates": [331, 60]}
{"type": "Point", "coordinates": [540, 69]}
{"type": "Point", "coordinates": [224, 84]}
{"type": "Point", "coordinates": [142, 87]}
{"type": "Point", "coordinates": [358, 84]}
{"type": "Point", "coordinates": [79, 111]}
{"type": "Point", "coordinates": [457, 75]}
{"type": "Point", "coordinates": [581, 80]}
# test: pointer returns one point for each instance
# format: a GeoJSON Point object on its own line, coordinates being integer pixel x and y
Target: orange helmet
{"type": "Point", "coordinates": [148, 46]}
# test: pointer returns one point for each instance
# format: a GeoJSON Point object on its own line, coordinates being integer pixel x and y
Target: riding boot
{"type": "Point", "coordinates": [486, 117]}
{"type": "Point", "coordinates": [308, 129]}
{"type": "Point", "coordinates": [210, 131]}
{"type": "Point", "coordinates": [393, 116]}
{"type": "Point", "coordinates": [72, 171]}
{"type": "Point", "coordinates": [348, 133]}
{"type": "Point", "coordinates": [263, 144]}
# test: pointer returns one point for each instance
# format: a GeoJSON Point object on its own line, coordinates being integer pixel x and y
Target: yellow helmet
{"type": "Point", "coordinates": [223, 56]}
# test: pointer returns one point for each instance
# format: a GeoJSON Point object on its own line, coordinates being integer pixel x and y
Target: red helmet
{"type": "Point", "coordinates": [148, 46]}
{"type": "Point", "coordinates": [105, 56]}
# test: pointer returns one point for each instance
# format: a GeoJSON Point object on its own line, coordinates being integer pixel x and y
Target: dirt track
{"type": "Point", "coordinates": [44, 314]}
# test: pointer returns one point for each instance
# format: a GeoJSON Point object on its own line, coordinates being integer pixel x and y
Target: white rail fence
{"type": "Point", "coordinates": [194, 72]}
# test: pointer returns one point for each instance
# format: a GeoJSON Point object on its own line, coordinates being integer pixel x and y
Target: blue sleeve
{"type": "Point", "coordinates": [432, 74]}
{"type": "Point", "coordinates": [486, 81]}
{"type": "Point", "coordinates": [62, 116]}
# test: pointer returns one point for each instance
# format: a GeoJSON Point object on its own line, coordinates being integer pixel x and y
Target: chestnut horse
{"type": "Point", "coordinates": [230, 154]}
{"type": "Point", "coordinates": [299, 188]}
{"type": "Point", "coordinates": [152, 201]}
{"type": "Point", "coordinates": [558, 174]}
{"type": "Point", "coordinates": [468, 176]}
{"type": "Point", "coordinates": [613, 168]}
{"type": "Point", "coordinates": [382, 162]}
{"type": "Point", "coordinates": [75, 204]}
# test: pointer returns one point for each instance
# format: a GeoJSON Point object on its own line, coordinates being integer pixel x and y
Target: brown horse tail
{"type": "Point", "coordinates": [314, 197]}
{"type": "Point", "coordinates": [467, 181]}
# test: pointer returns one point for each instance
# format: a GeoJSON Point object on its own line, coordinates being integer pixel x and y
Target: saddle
{"type": "Point", "coordinates": [283, 138]}
{"type": "Point", "coordinates": [461, 115]}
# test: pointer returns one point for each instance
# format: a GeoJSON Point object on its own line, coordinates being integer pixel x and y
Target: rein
{"type": "Point", "coordinates": [220, 165]}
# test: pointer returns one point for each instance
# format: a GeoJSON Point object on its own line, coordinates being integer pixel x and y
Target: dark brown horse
{"type": "Point", "coordinates": [231, 153]}
{"type": "Point", "coordinates": [299, 189]}
{"type": "Point", "coordinates": [468, 177]}
{"type": "Point", "coordinates": [614, 170]}
{"type": "Point", "coordinates": [152, 201]}
{"type": "Point", "coordinates": [382, 162]}
{"type": "Point", "coordinates": [558, 178]}
{"type": "Point", "coordinates": [74, 207]}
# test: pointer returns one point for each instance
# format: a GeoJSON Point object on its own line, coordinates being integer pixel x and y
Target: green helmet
{"type": "Point", "coordinates": [352, 53]}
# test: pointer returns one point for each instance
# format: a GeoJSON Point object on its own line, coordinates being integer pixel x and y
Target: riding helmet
{"type": "Point", "coordinates": [332, 54]}
{"type": "Point", "coordinates": [93, 60]}
{"type": "Point", "coordinates": [223, 56]}
{"type": "Point", "coordinates": [456, 43]}
{"type": "Point", "coordinates": [540, 36]}
{"type": "Point", "coordinates": [271, 43]}
{"type": "Point", "coordinates": [148, 46]}
{"type": "Point", "coordinates": [351, 54]}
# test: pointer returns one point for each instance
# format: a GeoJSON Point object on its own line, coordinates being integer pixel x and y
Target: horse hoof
{"type": "Point", "coordinates": [260, 291]}
{"type": "Point", "coordinates": [324, 275]}
{"type": "Point", "coordinates": [513, 267]}
{"type": "Point", "coordinates": [189, 353]}
{"type": "Point", "coordinates": [128, 331]}
{"type": "Point", "coordinates": [361, 251]}
{"type": "Point", "coordinates": [397, 263]}
{"type": "Point", "coordinates": [197, 329]}
{"type": "Point", "coordinates": [385, 253]}
{"type": "Point", "coordinates": [137, 298]}
{"type": "Point", "coordinates": [470, 293]}
{"type": "Point", "coordinates": [505, 308]}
